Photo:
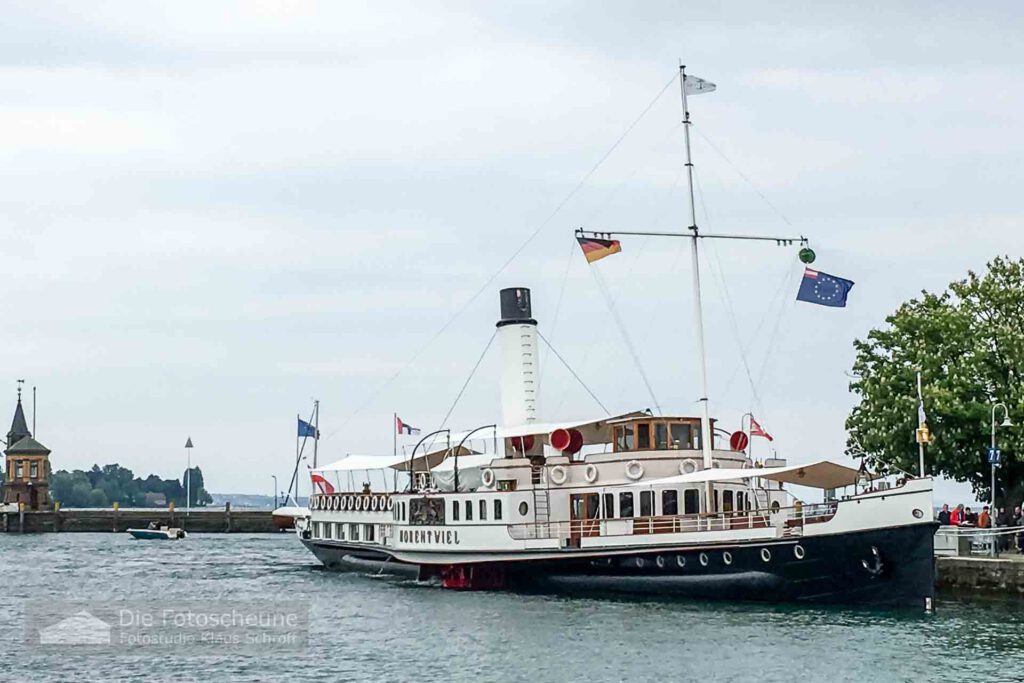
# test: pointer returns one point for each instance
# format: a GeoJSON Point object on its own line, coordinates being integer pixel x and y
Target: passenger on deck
{"type": "Point", "coordinates": [944, 515]}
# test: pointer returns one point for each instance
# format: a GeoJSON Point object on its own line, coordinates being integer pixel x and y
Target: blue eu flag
{"type": "Point", "coordinates": [822, 288]}
{"type": "Point", "coordinates": [306, 429]}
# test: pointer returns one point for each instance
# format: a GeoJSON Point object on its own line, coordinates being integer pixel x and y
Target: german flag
{"type": "Point", "coordinates": [596, 249]}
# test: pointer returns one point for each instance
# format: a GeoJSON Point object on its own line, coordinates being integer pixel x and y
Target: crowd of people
{"type": "Point", "coordinates": [963, 517]}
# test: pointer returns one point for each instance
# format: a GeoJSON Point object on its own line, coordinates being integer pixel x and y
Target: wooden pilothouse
{"type": "Point", "coordinates": [637, 502]}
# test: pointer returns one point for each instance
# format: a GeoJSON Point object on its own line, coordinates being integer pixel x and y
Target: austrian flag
{"type": "Point", "coordinates": [321, 483]}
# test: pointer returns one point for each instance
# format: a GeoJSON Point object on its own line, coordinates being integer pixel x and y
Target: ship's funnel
{"type": "Point", "coordinates": [520, 367]}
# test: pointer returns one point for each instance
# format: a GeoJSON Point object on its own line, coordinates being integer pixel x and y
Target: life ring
{"type": "Point", "coordinates": [391, 503]}
{"type": "Point", "coordinates": [590, 473]}
{"type": "Point", "coordinates": [687, 467]}
{"type": "Point", "coordinates": [558, 475]}
{"type": "Point", "coordinates": [634, 469]}
{"type": "Point", "coordinates": [487, 477]}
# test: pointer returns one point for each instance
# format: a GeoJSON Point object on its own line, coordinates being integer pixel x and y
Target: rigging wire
{"type": "Point", "coordinates": [625, 336]}
{"type": "Point", "coordinates": [515, 254]}
{"type": "Point", "coordinates": [466, 383]}
{"type": "Point", "coordinates": [558, 305]}
{"type": "Point", "coordinates": [745, 178]}
{"type": "Point", "coordinates": [573, 373]}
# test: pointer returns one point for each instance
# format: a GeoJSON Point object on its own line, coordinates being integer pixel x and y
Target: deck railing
{"type": "Point", "coordinates": [790, 521]}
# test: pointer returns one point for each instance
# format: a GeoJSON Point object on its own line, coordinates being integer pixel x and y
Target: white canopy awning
{"type": "Point", "coordinates": [823, 474]}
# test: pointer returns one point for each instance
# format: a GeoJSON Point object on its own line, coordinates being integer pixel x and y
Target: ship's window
{"type": "Point", "coordinates": [670, 502]}
{"type": "Point", "coordinates": [523, 509]}
{"type": "Point", "coordinates": [740, 498]}
{"type": "Point", "coordinates": [625, 505]}
{"type": "Point", "coordinates": [609, 505]}
{"type": "Point", "coordinates": [646, 503]}
{"type": "Point", "coordinates": [661, 436]}
{"type": "Point", "coordinates": [455, 509]}
{"type": "Point", "coordinates": [469, 511]}
{"type": "Point", "coordinates": [497, 509]}
{"type": "Point", "coordinates": [643, 435]}
{"type": "Point", "coordinates": [726, 501]}
{"type": "Point", "coordinates": [483, 510]}
{"type": "Point", "coordinates": [328, 530]}
{"type": "Point", "coordinates": [427, 511]}
{"type": "Point", "coordinates": [593, 503]}
{"type": "Point", "coordinates": [691, 502]}
{"type": "Point", "coordinates": [624, 438]}
{"type": "Point", "coordinates": [341, 532]}
{"type": "Point", "coordinates": [354, 529]}
{"type": "Point", "coordinates": [680, 436]}
{"type": "Point", "coordinates": [369, 533]}
{"type": "Point", "coordinates": [716, 508]}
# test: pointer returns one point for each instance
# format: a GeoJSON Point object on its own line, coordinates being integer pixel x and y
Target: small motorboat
{"type": "Point", "coordinates": [284, 517]}
{"type": "Point", "coordinates": [163, 533]}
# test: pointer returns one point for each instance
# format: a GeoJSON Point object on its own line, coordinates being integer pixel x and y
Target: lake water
{"type": "Point", "coordinates": [363, 628]}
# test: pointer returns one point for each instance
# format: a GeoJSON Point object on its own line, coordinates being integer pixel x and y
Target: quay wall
{"type": "Point", "coordinates": [969, 575]}
{"type": "Point", "coordinates": [221, 520]}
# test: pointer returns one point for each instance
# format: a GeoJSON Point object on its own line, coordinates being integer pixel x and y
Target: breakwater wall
{"type": "Point", "coordinates": [221, 520]}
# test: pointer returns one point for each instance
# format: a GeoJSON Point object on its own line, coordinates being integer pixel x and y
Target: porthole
{"type": "Point", "coordinates": [798, 551]}
{"type": "Point", "coordinates": [660, 561]}
{"type": "Point", "coordinates": [523, 509]}
{"type": "Point", "coordinates": [703, 560]}
{"type": "Point", "coordinates": [680, 560]}
{"type": "Point", "coordinates": [918, 513]}
{"type": "Point", "coordinates": [766, 554]}
{"type": "Point", "coordinates": [639, 562]}
{"type": "Point", "coordinates": [727, 557]}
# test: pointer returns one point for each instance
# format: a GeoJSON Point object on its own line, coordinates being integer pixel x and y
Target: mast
{"type": "Point", "coordinates": [706, 437]}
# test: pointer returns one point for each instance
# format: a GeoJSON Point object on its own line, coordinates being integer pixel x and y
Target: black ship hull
{"type": "Point", "coordinates": [893, 567]}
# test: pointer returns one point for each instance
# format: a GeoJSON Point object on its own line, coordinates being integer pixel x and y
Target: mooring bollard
{"type": "Point", "coordinates": [21, 518]}
{"type": "Point", "coordinates": [227, 516]}
{"type": "Point", "coordinates": [117, 507]}
{"type": "Point", "coordinates": [56, 516]}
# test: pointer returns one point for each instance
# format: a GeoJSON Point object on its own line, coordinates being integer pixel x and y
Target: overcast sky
{"type": "Point", "coordinates": [213, 213]}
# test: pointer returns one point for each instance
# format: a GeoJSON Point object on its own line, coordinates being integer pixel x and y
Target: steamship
{"type": "Point", "coordinates": [637, 502]}
{"type": "Point", "coordinates": [624, 503]}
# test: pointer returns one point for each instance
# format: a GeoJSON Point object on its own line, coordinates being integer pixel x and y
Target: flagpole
{"type": "Point", "coordinates": [707, 438]}
{"type": "Point", "coordinates": [296, 477]}
{"type": "Point", "coordinates": [316, 430]}
{"type": "Point", "coordinates": [920, 440]}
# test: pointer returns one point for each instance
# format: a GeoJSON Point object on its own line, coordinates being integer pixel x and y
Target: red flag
{"type": "Point", "coordinates": [757, 430]}
{"type": "Point", "coordinates": [322, 484]}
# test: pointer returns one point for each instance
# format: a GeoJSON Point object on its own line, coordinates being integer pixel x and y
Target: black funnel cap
{"type": "Point", "coordinates": [515, 307]}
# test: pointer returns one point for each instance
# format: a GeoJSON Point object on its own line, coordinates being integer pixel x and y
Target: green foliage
{"type": "Point", "coordinates": [101, 487]}
{"type": "Point", "coordinates": [968, 343]}
{"type": "Point", "coordinates": [198, 493]}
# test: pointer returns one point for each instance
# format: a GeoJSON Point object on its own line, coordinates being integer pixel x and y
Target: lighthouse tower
{"type": "Point", "coordinates": [520, 367]}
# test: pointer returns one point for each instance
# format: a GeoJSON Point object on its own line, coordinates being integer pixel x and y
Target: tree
{"type": "Point", "coordinates": [968, 343]}
{"type": "Point", "coordinates": [198, 492]}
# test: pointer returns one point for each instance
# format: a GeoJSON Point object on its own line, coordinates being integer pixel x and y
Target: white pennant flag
{"type": "Point", "coordinates": [697, 86]}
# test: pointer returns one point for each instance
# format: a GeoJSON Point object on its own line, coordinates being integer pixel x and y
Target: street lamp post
{"type": "Point", "coordinates": [992, 458]}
